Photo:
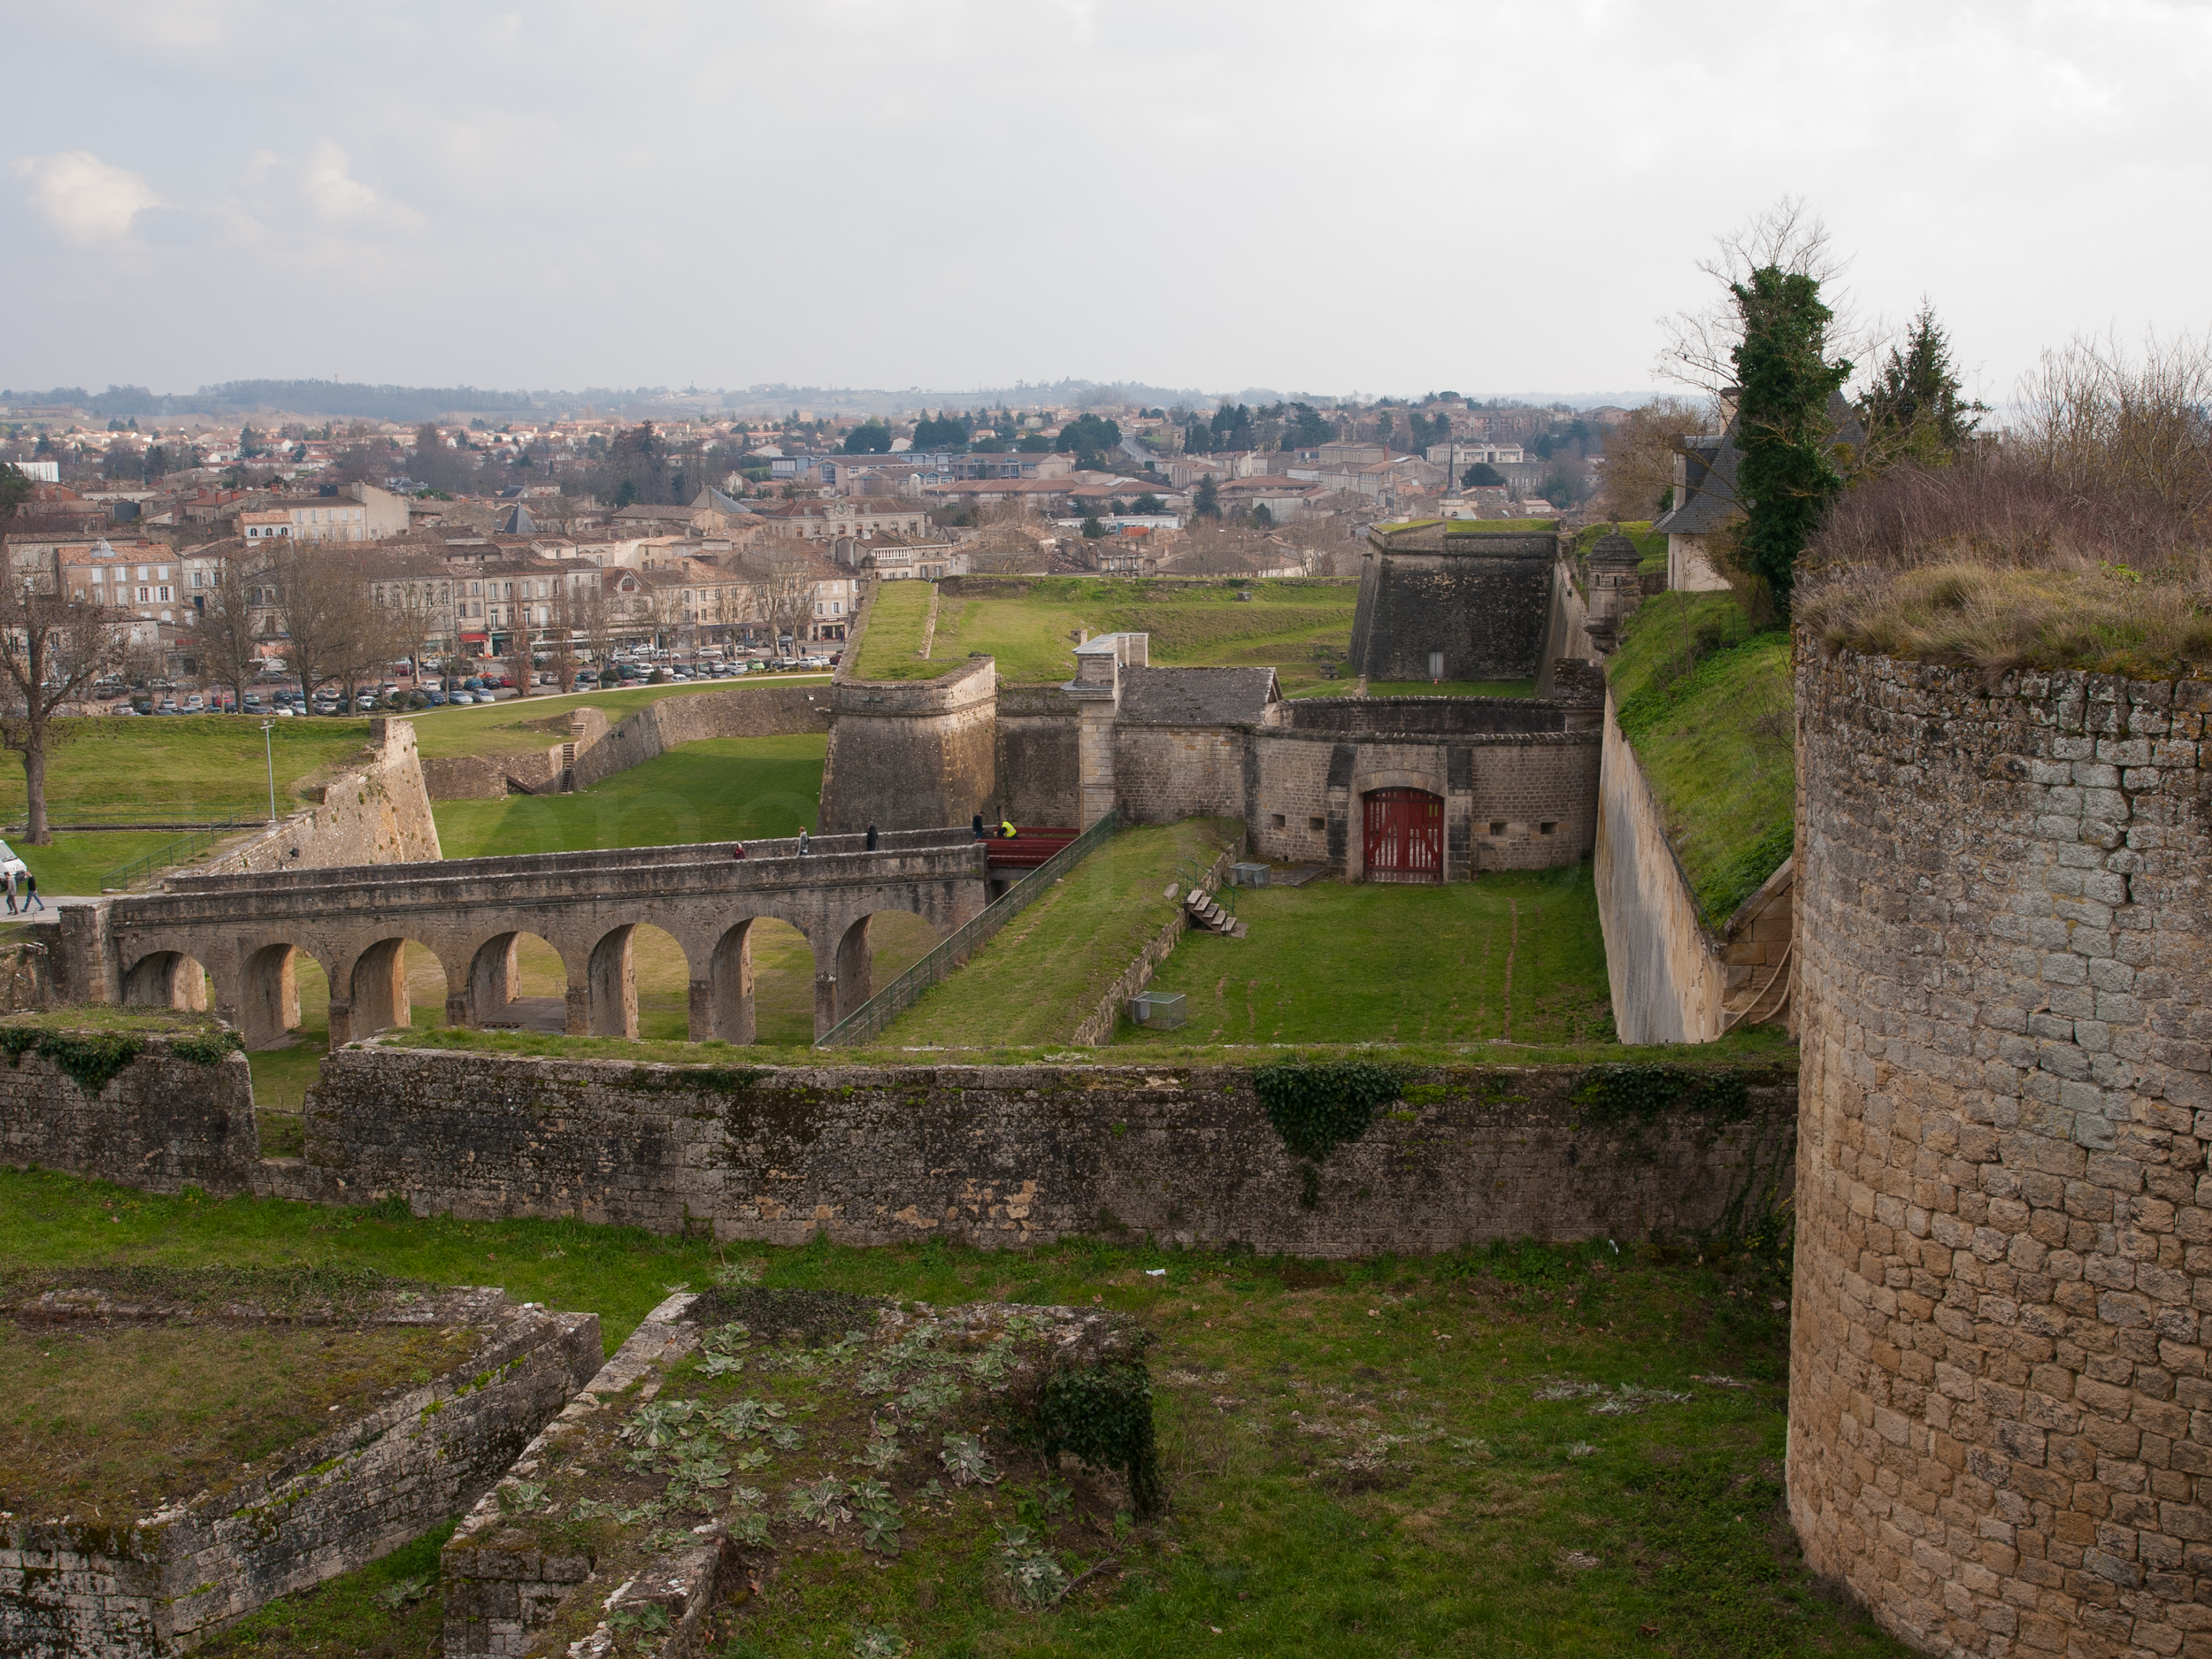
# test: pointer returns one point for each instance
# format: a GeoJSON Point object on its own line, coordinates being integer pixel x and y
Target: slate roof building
{"type": "Point", "coordinates": [1705, 493]}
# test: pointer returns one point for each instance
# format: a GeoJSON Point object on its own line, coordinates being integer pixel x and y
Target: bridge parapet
{"type": "Point", "coordinates": [355, 921]}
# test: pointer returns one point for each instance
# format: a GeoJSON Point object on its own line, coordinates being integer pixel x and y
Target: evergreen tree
{"type": "Point", "coordinates": [1206, 500]}
{"type": "Point", "coordinates": [1785, 477]}
{"type": "Point", "coordinates": [1917, 409]}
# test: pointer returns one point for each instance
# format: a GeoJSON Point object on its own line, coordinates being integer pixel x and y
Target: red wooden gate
{"type": "Point", "coordinates": [1405, 835]}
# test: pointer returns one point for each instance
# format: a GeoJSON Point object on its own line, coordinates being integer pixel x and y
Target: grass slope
{"type": "Point", "coordinates": [1365, 1459]}
{"type": "Point", "coordinates": [719, 788]}
{"type": "Point", "coordinates": [1706, 704]}
{"type": "Point", "coordinates": [1514, 955]}
{"type": "Point", "coordinates": [1029, 624]}
{"type": "Point", "coordinates": [522, 723]}
{"type": "Point", "coordinates": [1045, 971]}
{"type": "Point", "coordinates": [897, 625]}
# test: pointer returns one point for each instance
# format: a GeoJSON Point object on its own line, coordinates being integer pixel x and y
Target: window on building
{"type": "Point", "coordinates": [1545, 829]}
{"type": "Point", "coordinates": [1316, 823]}
{"type": "Point", "coordinates": [1497, 826]}
{"type": "Point", "coordinates": [1281, 821]}
{"type": "Point", "coordinates": [164, 595]}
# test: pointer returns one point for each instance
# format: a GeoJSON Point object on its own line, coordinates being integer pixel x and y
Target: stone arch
{"type": "Point", "coordinates": [610, 980]}
{"type": "Point", "coordinates": [494, 982]}
{"type": "Point", "coordinates": [167, 979]}
{"type": "Point", "coordinates": [377, 998]}
{"type": "Point", "coordinates": [268, 992]}
{"type": "Point", "coordinates": [852, 978]}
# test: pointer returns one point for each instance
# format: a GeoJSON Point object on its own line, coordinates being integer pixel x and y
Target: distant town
{"type": "Point", "coordinates": [554, 544]}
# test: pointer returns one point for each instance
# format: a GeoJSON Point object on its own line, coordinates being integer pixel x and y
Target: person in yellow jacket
{"type": "Point", "coordinates": [1006, 829]}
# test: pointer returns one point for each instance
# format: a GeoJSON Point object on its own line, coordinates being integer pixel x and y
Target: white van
{"type": "Point", "coordinates": [10, 864]}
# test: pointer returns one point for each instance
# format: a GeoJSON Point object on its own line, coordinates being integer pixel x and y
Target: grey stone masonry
{"type": "Point", "coordinates": [2000, 1431]}
{"type": "Point", "coordinates": [140, 1588]}
{"type": "Point", "coordinates": [1021, 1155]}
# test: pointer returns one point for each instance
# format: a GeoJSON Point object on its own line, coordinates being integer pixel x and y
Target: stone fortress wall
{"type": "Point", "coordinates": [591, 750]}
{"type": "Point", "coordinates": [375, 810]}
{"type": "Point", "coordinates": [2001, 1430]}
{"type": "Point", "coordinates": [1434, 605]}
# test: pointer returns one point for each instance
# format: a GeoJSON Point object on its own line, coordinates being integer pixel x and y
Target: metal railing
{"type": "Point", "coordinates": [183, 849]}
{"type": "Point", "coordinates": [868, 1019]}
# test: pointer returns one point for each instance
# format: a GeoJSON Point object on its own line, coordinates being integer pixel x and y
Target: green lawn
{"type": "Point", "coordinates": [896, 628]}
{"type": "Point", "coordinates": [719, 788]}
{"type": "Point", "coordinates": [1044, 973]}
{"type": "Point", "coordinates": [527, 723]}
{"type": "Point", "coordinates": [1451, 688]}
{"type": "Point", "coordinates": [1365, 1459]}
{"type": "Point", "coordinates": [1707, 704]}
{"type": "Point", "coordinates": [189, 767]}
{"type": "Point", "coordinates": [1514, 955]}
{"type": "Point", "coordinates": [1030, 624]}
{"type": "Point", "coordinates": [74, 864]}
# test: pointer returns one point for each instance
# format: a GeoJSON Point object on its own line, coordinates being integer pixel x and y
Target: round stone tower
{"type": "Point", "coordinates": [2000, 1428]}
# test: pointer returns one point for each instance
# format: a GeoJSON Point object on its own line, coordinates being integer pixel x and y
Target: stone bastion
{"type": "Point", "coordinates": [2000, 1431]}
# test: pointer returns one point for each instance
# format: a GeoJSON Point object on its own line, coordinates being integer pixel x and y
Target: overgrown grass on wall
{"type": "Point", "coordinates": [1301, 629]}
{"type": "Point", "coordinates": [895, 630]}
{"type": "Point", "coordinates": [1706, 704]}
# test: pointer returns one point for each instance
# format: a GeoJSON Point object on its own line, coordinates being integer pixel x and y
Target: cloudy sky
{"type": "Point", "coordinates": [1391, 195]}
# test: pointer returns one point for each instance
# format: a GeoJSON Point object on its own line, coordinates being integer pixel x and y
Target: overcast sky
{"type": "Point", "coordinates": [1385, 195]}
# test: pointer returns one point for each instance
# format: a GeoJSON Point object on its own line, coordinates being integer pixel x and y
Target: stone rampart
{"type": "Point", "coordinates": [911, 754]}
{"type": "Point", "coordinates": [124, 1588]}
{"type": "Point", "coordinates": [373, 813]}
{"type": "Point", "coordinates": [2000, 1428]}
{"type": "Point", "coordinates": [162, 1123]}
{"type": "Point", "coordinates": [1038, 763]}
{"type": "Point", "coordinates": [1007, 1156]}
{"type": "Point", "coordinates": [1479, 603]}
{"type": "Point", "coordinates": [687, 717]}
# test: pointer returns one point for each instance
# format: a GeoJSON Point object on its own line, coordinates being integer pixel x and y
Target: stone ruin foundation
{"type": "Point", "coordinates": [155, 1584]}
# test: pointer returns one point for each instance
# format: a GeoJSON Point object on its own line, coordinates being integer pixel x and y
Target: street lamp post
{"type": "Point", "coordinates": [268, 745]}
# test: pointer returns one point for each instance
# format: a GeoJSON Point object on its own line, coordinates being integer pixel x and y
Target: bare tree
{"type": "Point", "coordinates": [1701, 342]}
{"type": "Point", "coordinates": [229, 631]}
{"type": "Point", "coordinates": [1639, 454]}
{"type": "Point", "coordinates": [318, 596]}
{"type": "Point", "coordinates": [52, 650]}
{"type": "Point", "coordinates": [783, 588]}
{"type": "Point", "coordinates": [2098, 423]}
{"type": "Point", "coordinates": [560, 643]}
{"type": "Point", "coordinates": [598, 619]}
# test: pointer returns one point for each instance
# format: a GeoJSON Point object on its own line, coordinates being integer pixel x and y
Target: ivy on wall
{"type": "Point", "coordinates": [1319, 1107]}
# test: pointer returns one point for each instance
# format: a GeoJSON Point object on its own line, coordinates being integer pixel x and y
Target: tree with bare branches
{"type": "Point", "coordinates": [1639, 454]}
{"type": "Point", "coordinates": [1700, 342]}
{"type": "Point", "coordinates": [51, 651]}
{"type": "Point", "coordinates": [229, 637]}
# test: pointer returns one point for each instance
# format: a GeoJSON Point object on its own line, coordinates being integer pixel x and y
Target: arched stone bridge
{"type": "Point", "coordinates": [249, 931]}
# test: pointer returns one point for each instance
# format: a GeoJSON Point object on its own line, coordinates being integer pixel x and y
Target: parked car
{"type": "Point", "coordinates": [10, 864]}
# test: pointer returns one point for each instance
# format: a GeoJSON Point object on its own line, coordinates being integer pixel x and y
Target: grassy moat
{"type": "Point", "coordinates": [1526, 1450]}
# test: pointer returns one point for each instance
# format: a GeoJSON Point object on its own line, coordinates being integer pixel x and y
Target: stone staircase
{"type": "Point", "coordinates": [1206, 912]}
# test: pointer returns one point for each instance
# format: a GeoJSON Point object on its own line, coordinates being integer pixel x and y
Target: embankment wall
{"type": "Point", "coordinates": [2001, 1406]}
{"type": "Point", "coordinates": [1023, 1155]}
{"type": "Point", "coordinates": [376, 811]}
{"type": "Point", "coordinates": [602, 750]}
{"type": "Point", "coordinates": [911, 754]}
{"type": "Point", "coordinates": [162, 1124]}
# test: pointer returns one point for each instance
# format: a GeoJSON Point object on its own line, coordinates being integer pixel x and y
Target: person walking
{"type": "Point", "coordinates": [30, 893]}
{"type": "Point", "coordinates": [737, 850]}
{"type": "Point", "coordinates": [979, 833]}
{"type": "Point", "coordinates": [871, 838]}
{"type": "Point", "coordinates": [802, 843]}
{"type": "Point", "coordinates": [11, 892]}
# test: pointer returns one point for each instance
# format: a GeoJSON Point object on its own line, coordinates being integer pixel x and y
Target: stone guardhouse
{"type": "Point", "coordinates": [1394, 788]}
